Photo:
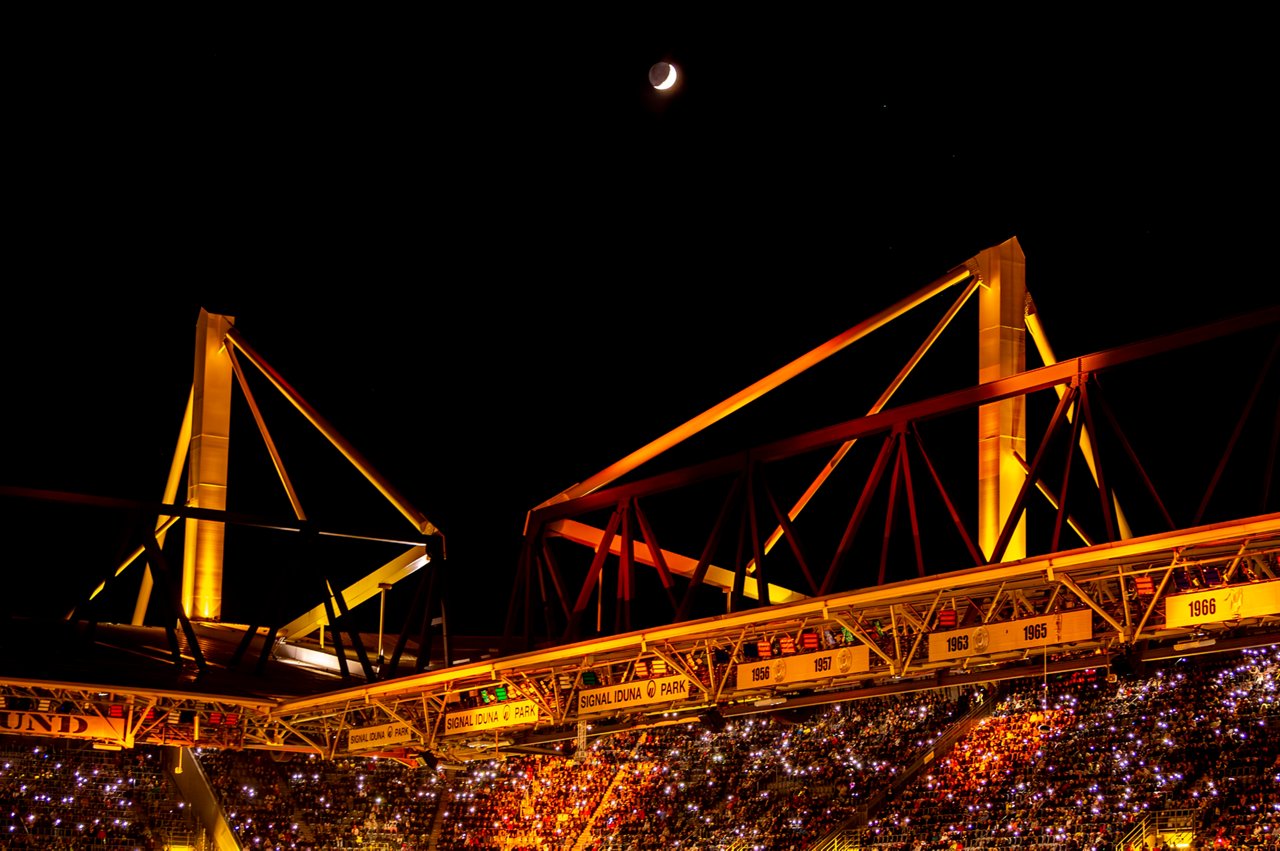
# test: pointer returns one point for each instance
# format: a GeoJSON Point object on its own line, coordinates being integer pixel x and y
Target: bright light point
{"type": "Point", "coordinates": [662, 76]}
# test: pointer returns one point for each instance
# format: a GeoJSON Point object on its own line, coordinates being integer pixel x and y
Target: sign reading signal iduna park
{"type": "Point", "coordinates": [365, 738]}
{"type": "Point", "coordinates": [634, 693]}
{"type": "Point", "coordinates": [495, 716]}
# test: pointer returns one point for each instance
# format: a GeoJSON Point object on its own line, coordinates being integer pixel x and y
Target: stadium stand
{"type": "Point", "coordinates": [1183, 753]}
{"type": "Point", "coordinates": [61, 794]}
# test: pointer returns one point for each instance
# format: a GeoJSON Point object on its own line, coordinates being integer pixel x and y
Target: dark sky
{"type": "Point", "coordinates": [498, 261]}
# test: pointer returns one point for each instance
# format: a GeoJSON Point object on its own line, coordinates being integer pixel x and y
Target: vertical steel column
{"type": "Point", "coordinates": [207, 468]}
{"type": "Point", "coordinates": [1002, 426]}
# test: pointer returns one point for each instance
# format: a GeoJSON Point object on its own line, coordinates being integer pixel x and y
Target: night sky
{"type": "Point", "coordinates": [499, 261]}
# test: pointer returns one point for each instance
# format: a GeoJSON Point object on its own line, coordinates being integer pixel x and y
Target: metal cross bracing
{"type": "Point", "coordinates": [893, 621]}
{"type": "Point", "coordinates": [1104, 583]}
{"type": "Point", "coordinates": [1074, 553]}
{"type": "Point", "coordinates": [126, 716]}
{"type": "Point", "coordinates": [1064, 458]}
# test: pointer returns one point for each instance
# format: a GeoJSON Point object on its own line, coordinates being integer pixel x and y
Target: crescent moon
{"type": "Point", "coordinates": [669, 81]}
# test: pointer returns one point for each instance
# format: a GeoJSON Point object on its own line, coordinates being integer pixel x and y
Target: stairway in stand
{"type": "Point", "coordinates": [585, 839]}
{"type": "Point", "coordinates": [433, 840]}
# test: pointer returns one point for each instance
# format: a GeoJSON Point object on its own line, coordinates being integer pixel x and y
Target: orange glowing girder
{"type": "Point", "coordinates": [758, 389]}
{"type": "Point", "coordinates": [410, 513]}
{"type": "Point", "coordinates": [560, 519]}
{"type": "Point", "coordinates": [750, 586]}
{"type": "Point", "coordinates": [1031, 381]}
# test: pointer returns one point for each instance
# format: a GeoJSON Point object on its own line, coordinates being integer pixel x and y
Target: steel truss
{"type": "Point", "coordinates": [774, 607]}
{"type": "Point", "coordinates": [616, 524]}
{"type": "Point", "coordinates": [1106, 580]}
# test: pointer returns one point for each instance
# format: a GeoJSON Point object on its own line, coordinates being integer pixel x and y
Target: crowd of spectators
{"type": "Point", "coordinates": [64, 794]}
{"type": "Point", "coordinates": [254, 797]}
{"type": "Point", "coordinates": [1084, 762]}
{"type": "Point", "coordinates": [768, 780]}
{"type": "Point", "coordinates": [300, 802]}
{"type": "Point", "coordinates": [533, 801]}
{"type": "Point", "coordinates": [1056, 763]}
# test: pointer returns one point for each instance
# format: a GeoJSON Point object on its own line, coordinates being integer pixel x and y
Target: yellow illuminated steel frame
{"type": "Point", "coordinates": [207, 469]}
{"type": "Point", "coordinates": [1097, 577]}
{"type": "Point", "coordinates": [203, 448]}
{"type": "Point", "coordinates": [1002, 426]}
{"type": "Point", "coordinates": [998, 275]}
